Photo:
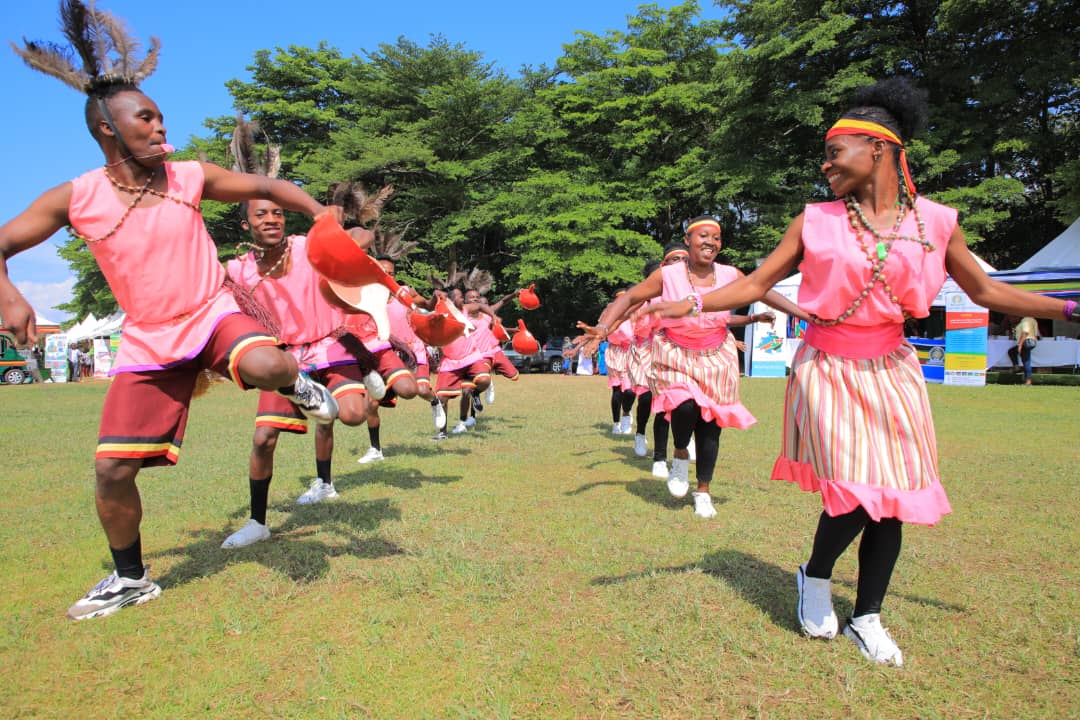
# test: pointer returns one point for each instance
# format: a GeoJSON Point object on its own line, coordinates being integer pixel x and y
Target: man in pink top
{"type": "Point", "coordinates": [140, 217]}
{"type": "Point", "coordinates": [463, 367]}
{"type": "Point", "coordinates": [489, 347]}
{"type": "Point", "coordinates": [402, 331]}
{"type": "Point", "coordinates": [278, 276]}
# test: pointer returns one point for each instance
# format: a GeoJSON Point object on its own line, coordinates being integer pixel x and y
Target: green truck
{"type": "Point", "coordinates": [13, 369]}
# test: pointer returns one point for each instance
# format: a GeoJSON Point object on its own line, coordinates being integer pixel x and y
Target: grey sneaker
{"type": "Point", "coordinates": [816, 615]}
{"type": "Point", "coordinates": [314, 400]}
{"type": "Point", "coordinates": [114, 593]}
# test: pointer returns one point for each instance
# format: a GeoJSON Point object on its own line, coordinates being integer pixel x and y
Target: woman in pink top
{"type": "Point", "coordinates": [695, 367]}
{"type": "Point", "coordinates": [857, 423]}
{"type": "Point", "coordinates": [140, 218]}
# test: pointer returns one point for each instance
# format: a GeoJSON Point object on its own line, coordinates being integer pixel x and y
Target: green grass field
{"type": "Point", "coordinates": [531, 569]}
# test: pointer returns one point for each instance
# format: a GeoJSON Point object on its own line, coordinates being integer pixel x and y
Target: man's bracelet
{"type": "Point", "coordinates": [697, 302]}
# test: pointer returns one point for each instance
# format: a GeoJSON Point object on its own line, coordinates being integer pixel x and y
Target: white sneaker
{"type": "Point", "coordinates": [372, 455]}
{"type": "Point", "coordinates": [470, 421]}
{"type": "Point", "coordinates": [641, 448]}
{"type": "Point", "coordinates": [616, 429]}
{"type": "Point", "coordinates": [873, 640]}
{"type": "Point", "coordinates": [490, 397]}
{"type": "Point", "coordinates": [314, 400]}
{"type": "Point", "coordinates": [703, 506]}
{"type": "Point", "coordinates": [376, 388]}
{"type": "Point", "coordinates": [438, 415]}
{"type": "Point", "coordinates": [459, 428]}
{"type": "Point", "coordinates": [678, 483]}
{"type": "Point", "coordinates": [318, 492]}
{"type": "Point", "coordinates": [625, 427]}
{"type": "Point", "coordinates": [253, 532]}
{"type": "Point", "coordinates": [659, 469]}
{"type": "Point", "coordinates": [816, 613]}
{"type": "Point", "coordinates": [691, 450]}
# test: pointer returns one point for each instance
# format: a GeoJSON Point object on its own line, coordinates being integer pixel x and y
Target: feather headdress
{"type": "Point", "coordinates": [479, 280]}
{"type": "Point", "coordinates": [454, 278]}
{"type": "Point", "coordinates": [360, 208]}
{"type": "Point", "coordinates": [390, 244]}
{"type": "Point", "coordinates": [102, 43]}
{"type": "Point", "coordinates": [246, 157]}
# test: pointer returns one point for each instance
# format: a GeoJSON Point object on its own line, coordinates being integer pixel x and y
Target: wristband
{"type": "Point", "coordinates": [1069, 310]}
{"type": "Point", "coordinates": [696, 300]}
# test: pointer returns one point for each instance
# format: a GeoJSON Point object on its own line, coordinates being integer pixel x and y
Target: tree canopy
{"type": "Point", "coordinates": [573, 176]}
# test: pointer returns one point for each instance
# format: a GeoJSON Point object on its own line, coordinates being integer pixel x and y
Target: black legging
{"type": "Point", "coordinates": [644, 410]}
{"type": "Point", "coordinates": [660, 429]}
{"type": "Point", "coordinates": [686, 420]}
{"type": "Point", "coordinates": [878, 550]}
{"type": "Point", "coordinates": [621, 402]}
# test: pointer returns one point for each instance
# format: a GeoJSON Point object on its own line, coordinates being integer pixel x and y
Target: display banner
{"type": "Point", "coordinates": [965, 340]}
{"type": "Point", "coordinates": [769, 348]}
{"type": "Point", "coordinates": [102, 358]}
{"type": "Point", "coordinates": [56, 357]}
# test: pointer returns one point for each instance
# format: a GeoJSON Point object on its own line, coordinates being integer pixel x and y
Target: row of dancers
{"type": "Point", "coordinates": [857, 422]}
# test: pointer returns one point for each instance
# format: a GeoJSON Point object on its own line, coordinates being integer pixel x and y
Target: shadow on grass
{"type": "Point", "coordinates": [770, 587]}
{"type": "Point", "coordinates": [403, 478]}
{"type": "Point", "coordinates": [291, 550]}
{"type": "Point", "coordinates": [653, 491]}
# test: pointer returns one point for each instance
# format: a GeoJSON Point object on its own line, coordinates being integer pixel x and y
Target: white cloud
{"type": "Point", "coordinates": [45, 296]}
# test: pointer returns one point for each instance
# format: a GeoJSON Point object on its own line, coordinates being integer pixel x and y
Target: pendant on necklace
{"type": "Point", "coordinates": [882, 251]}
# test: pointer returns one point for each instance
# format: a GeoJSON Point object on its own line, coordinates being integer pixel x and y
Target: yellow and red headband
{"type": "Point", "coordinates": [699, 223]}
{"type": "Point", "coordinates": [850, 126]}
{"type": "Point", "coordinates": [677, 251]}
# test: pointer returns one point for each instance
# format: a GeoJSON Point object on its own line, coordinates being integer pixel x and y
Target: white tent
{"type": "Point", "coordinates": [92, 327]}
{"type": "Point", "coordinates": [1062, 251]}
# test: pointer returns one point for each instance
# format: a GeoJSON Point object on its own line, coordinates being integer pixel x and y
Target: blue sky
{"type": "Point", "coordinates": [205, 43]}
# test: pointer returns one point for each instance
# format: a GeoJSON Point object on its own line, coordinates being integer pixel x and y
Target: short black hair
{"type": "Point", "coordinates": [92, 111]}
{"type": "Point", "coordinates": [675, 245]}
{"type": "Point", "coordinates": [383, 257]}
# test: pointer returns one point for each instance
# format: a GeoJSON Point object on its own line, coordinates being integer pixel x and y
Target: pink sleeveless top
{"type": "Point", "coordinates": [161, 265]}
{"type": "Point", "coordinates": [835, 271]}
{"type": "Point", "coordinates": [403, 331]}
{"type": "Point", "coordinates": [707, 329]}
{"type": "Point", "coordinates": [294, 300]}
{"type": "Point", "coordinates": [483, 339]}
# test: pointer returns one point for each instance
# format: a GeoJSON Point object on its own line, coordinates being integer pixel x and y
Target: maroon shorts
{"type": "Point", "coordinates": [501, 364]}
{"type": "Point", "coordinates": [145, 413]}
{"type": "Point", "coordinates": [278, 412]}
{"type": "Point", "coordinates": [423, 376]}
{"type": "Point", "coordinates": [451, 383]}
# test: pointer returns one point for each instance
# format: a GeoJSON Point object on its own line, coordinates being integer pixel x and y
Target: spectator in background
{"type": "Point", "coordinates": [73, 363]}
{"type": "Point", "coordinates": [1027, 336]}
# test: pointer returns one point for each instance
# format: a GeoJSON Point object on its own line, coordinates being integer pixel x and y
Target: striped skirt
{"type": "Point", "coordinates": [709, 377]}
{"type": "Point", "coordinates": [617, 358]}
{"type": "Point", "coordinates": [640, 362]}
{"type": "Point", "coordinates": [861, 433]}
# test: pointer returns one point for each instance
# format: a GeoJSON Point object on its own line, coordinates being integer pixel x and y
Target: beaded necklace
{"type": "Point", "coordinates": [690, 278]}
{"type": "Point", "coordinates": [880, 251]}
{"type": "Point", "coordinates": [140, 193]}
{"type": "Point", "coordinates": [260, 252]}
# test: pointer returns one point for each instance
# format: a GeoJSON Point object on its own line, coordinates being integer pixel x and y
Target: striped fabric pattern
{"type": "Point", "coordinates": [714, 371]}
{"type": "Point", "coordinates": [618, 366]}
{"type": "Point", "coordinates": [640, 362]}
{"type": "Point", "coordinates": [861, 421]}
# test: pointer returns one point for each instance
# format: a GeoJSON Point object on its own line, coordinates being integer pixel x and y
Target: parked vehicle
{"type": "Point", "coordinates": [552, 352]}
{"type": "Point", "coordinates": [12, 364]}
{"type": "Point", "coordinates": [523, 363]}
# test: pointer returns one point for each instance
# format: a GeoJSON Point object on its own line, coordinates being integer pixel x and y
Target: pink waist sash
{"type": "Point", "coordinates": [856, 341]}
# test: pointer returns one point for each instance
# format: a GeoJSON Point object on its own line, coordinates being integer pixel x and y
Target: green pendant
{"type": "Point", "coordinates": [881, 250]}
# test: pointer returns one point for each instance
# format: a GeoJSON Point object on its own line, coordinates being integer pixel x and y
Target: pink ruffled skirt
{"type": "Point", "coordinates": [709, 377]}
{"type": "Point", "coordinates": [617, 358]}
{"type": "Point", "coordinates": [860, 432]}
